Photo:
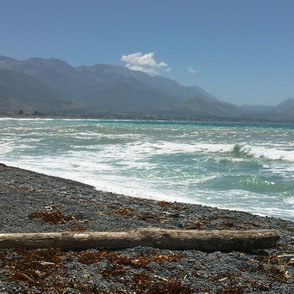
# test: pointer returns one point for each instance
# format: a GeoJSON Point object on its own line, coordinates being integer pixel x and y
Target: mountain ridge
{"type": "Point", "coordinates": [112, 89]}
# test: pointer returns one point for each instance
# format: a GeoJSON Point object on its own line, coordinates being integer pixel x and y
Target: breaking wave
{"type": "Point", "coordinates": [233, 167]}
{"type": "Point", "coordinates": [263, 152]}
{"type": "Point", "coordinates": [236, 150]}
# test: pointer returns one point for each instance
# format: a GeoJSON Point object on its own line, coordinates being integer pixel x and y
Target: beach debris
{"type": "Point", "coordinates": [78, 228]}
{"type": "Point", "coordinates": [169, 205]}
{"type": "Point", "coordinates": [124, 212]}
{"type": "Point", "coordinates": [27, 189]}
{"type": "Point", "coordinates": [204, 240]}
{"type": "Point", "coordinates": [53, 218]}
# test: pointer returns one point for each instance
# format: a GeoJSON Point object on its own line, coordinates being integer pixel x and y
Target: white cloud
{"type": "Point", "coordinates": [145, 63]}
{"type": "Point", "coordinates": [191, 70]}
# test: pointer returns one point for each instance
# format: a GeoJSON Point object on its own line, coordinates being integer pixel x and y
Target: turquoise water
{"type": "Point", "coordinates": [247, 167]}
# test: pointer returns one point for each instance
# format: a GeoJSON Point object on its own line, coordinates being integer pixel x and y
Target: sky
{"type": "Point", "coordinates": [240, 51]}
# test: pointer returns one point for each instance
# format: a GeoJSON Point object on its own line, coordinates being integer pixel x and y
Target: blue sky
{"type": "Point", "coordinates": [241, 51]}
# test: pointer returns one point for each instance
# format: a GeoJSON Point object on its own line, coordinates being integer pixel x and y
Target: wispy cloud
{"type": "Point", "coordinates": [191, 70]}
{"type": "Point", "coordinates": [145, 63]}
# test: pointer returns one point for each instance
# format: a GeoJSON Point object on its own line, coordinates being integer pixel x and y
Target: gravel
{"type": "Point", "coordinates": [33, 202]}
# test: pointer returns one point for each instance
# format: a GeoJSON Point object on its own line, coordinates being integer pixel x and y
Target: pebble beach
{"type": "Point", "coordinates": [33, 202]}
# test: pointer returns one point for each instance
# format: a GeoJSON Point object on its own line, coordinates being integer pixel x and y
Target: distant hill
{"type": "Point", "coordinates": [55, 87]}
{"type": "Point", "coordinates": [285, 109]}
{"type": "Point", "coordinates": [212, 108]}
{"type": "Point", "coordinates": [104, 87]}
{"type": "Point", "coordinates": [283, 112]}
{"type": "Point", "coordinates": [20, 91]}
{"type": "Point", "coordinates": [112, 89]}
{"type": "Point", "coordinates": [261, 109]}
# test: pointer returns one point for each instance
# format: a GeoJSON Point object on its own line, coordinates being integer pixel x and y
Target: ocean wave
{"type": "Point", "coordinates": [6, 148]}
{"type": "Point", "coordinates": [236, 150]}
{"type": "Point", "coordinates": [289, 200]}
{"type": "Point", "coordinates": [165, 147]}
{"type": "Point", "coordinates": [263, 152]}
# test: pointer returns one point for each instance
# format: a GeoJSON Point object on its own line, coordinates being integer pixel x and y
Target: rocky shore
{"type": "Point", "coordinates": [32, 202]}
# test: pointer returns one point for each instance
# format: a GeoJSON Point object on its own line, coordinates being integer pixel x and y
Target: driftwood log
{"type": "Point", "coordinates": [216, 240]}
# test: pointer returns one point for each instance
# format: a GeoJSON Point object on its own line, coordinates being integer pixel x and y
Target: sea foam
{"type": "Point", "coordinates": [232, 167]}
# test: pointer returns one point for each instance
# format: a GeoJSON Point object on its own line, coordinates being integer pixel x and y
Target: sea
{"type": "Point", "coordinates": [238, 166]}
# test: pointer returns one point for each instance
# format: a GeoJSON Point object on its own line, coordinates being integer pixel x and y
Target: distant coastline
{"type": "Point", "coordinates": [148, 118]}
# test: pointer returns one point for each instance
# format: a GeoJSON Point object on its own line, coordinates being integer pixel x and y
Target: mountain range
{"type": "Point", "coordinates": [55, 87]}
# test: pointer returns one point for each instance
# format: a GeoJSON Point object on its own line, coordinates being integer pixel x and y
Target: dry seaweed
{"type": "Point", "coordinates": [90, 257]}
{"type": "Point", "coordinates": [78, 228]}
{"type": "Point", "coordinates": [198, 224]}
{"type": "Point", "coordinates": [193, 226]}
{"type": "Point", "coordinates": [41, 269]}
{"type": "Point", "coordinates": [227, 224]}
{"type": "Point", "coordinates": [28, 189]}
{"type": "Point", "coordinates": [125, 212]}
{"type": "Point", "coordinates": [53, 218]}
{"type": "Point", "coordinates": [168, 205]}
{"type": "Point", "coordinates": [172, 287]}
{"type": "Point", "coordinates": [119, 270]}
